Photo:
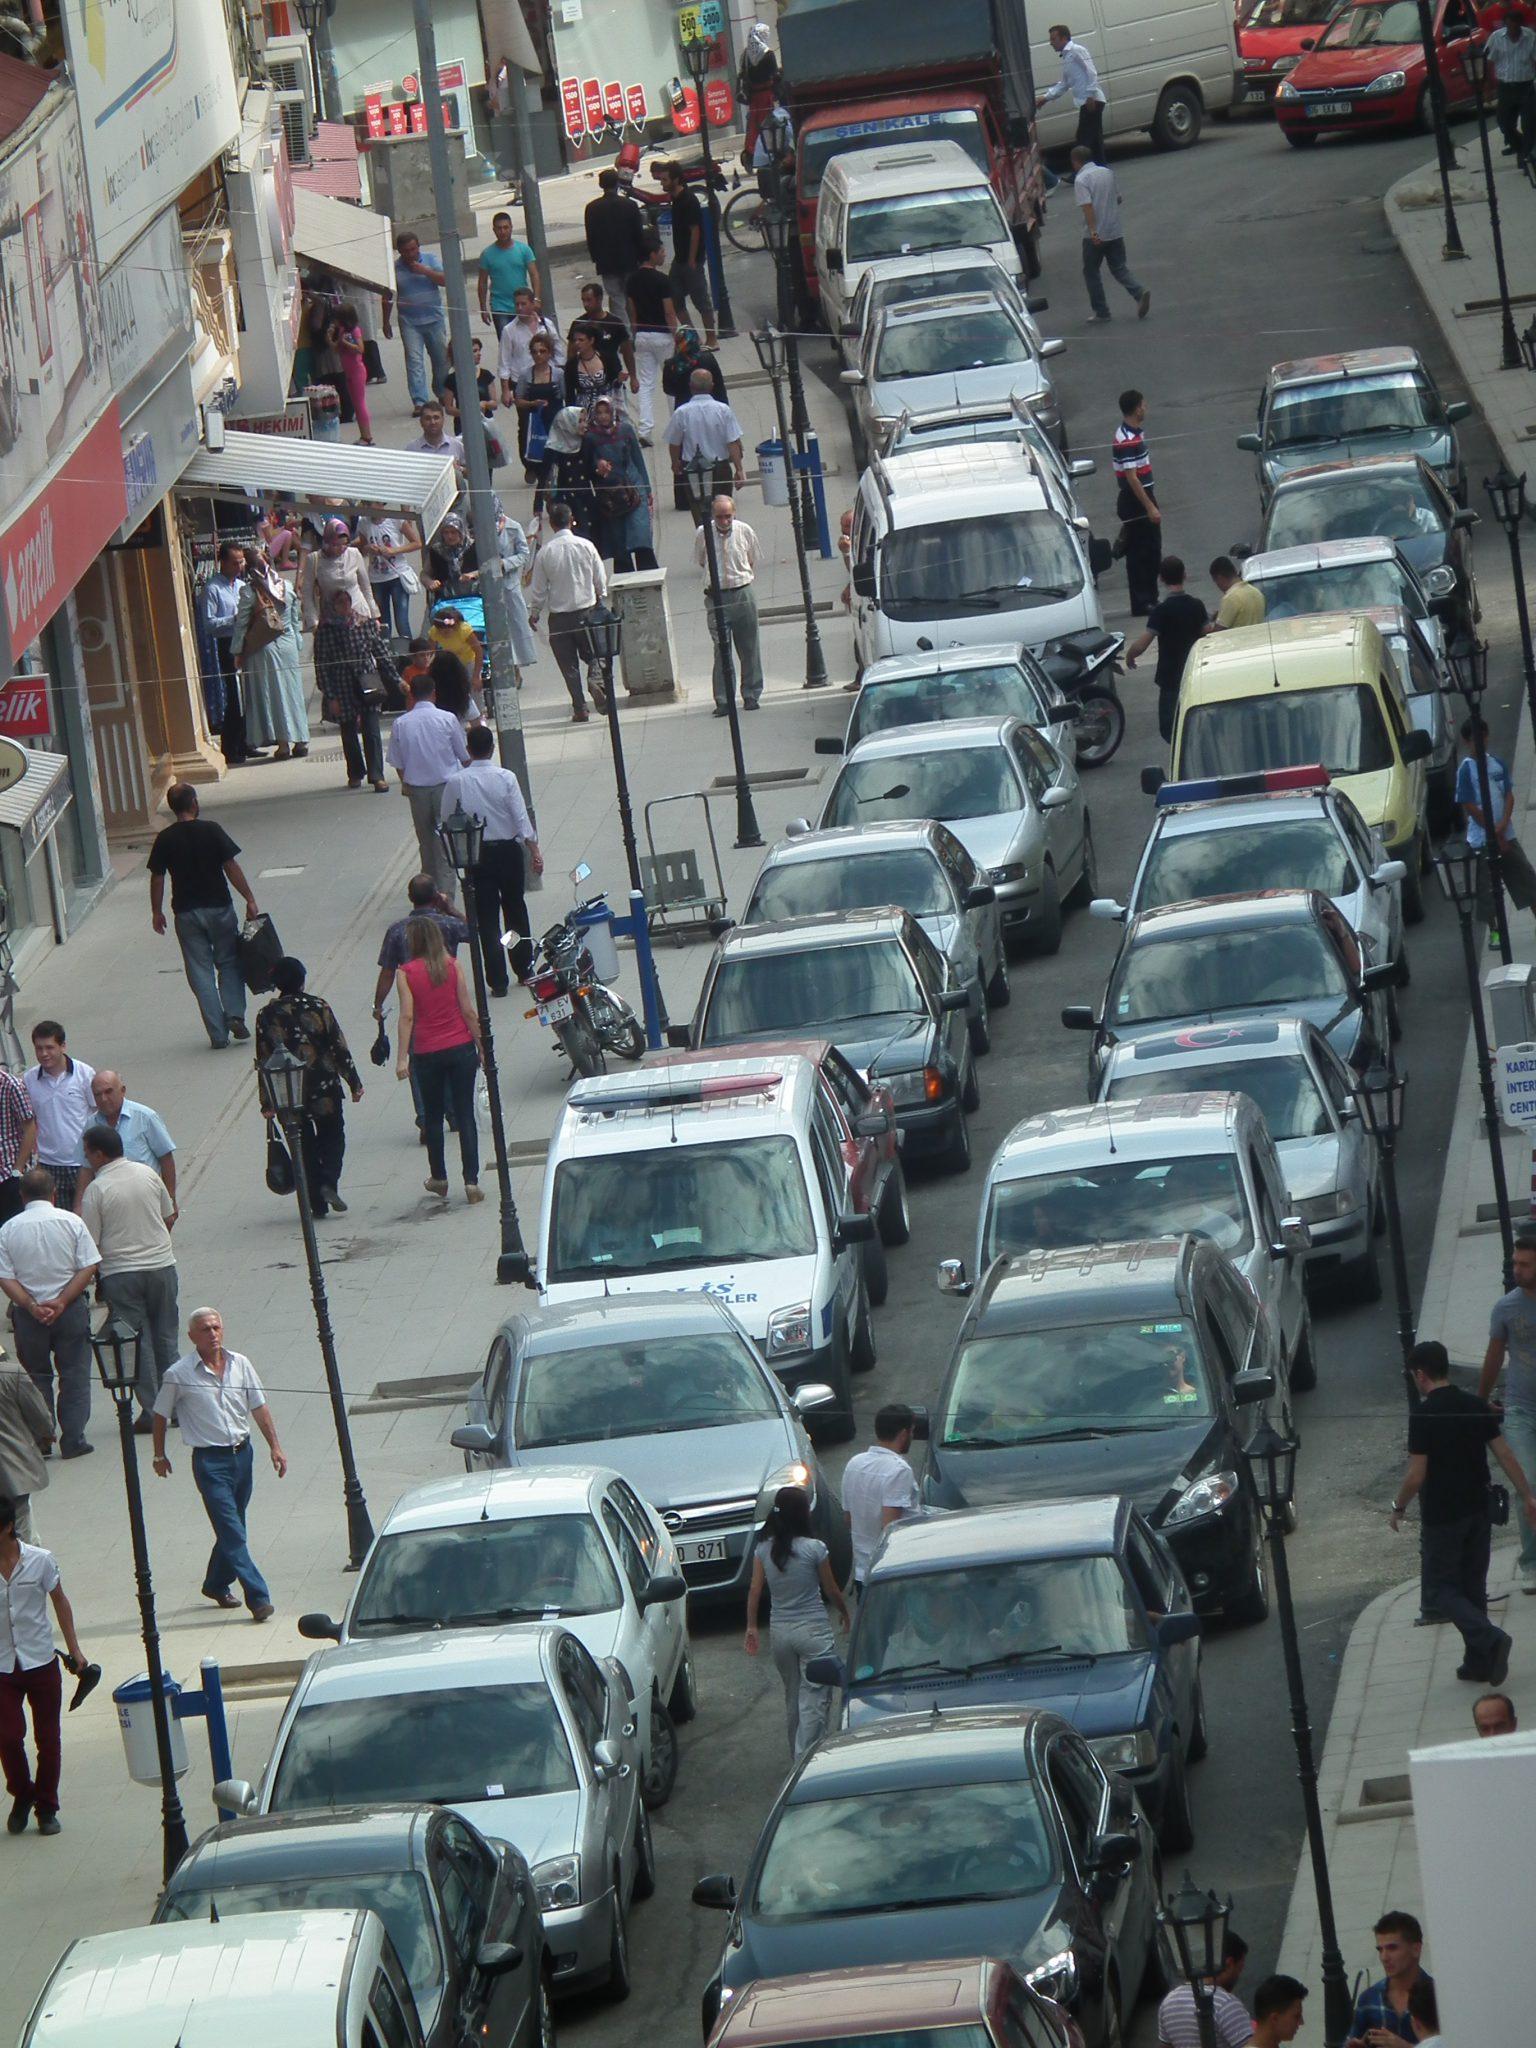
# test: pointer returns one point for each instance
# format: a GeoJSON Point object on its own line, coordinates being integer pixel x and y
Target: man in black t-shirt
{"type": "Point", "coordinates": [690, 262]}
{"type": "Point", "coordinates": [1449, 1439]}
{"type": "Point", "coordinates": [202, 860]}
{"type": "Point", "coordinates": [615, 228]}
{"type": "Point", "coordinates": [652, 323]}
{"type": "Point", "coordinates": [1175, 622]}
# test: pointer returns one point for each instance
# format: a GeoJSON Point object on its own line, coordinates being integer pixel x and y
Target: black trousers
{"type": "Point", "coordinates": [325, 1145]}
{"type": "Point", "coordinates": [500, 906]}
{"type": "Point", "coordinates": [362, 744]}
{"type": "Point", "coordinates": [1455, 1580]}
{"type": "Point", "coordinates": [1090, 128]}
{"type": "Point", "coordinates": [1142, 543]}
{"type": "Point", "coordinates": [232, 738]}
{"type": "Point", "coordinates": [1517, 116]}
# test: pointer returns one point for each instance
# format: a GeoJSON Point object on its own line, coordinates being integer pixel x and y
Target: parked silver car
{"type": "Point", "coordinates": [929, 353]}
{"type": "Point", "coordinates": [960, 682]}
{"type": "Point", "coordinates": [936, 274]}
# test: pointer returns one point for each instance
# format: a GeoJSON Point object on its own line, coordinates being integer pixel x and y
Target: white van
{"type": "Point", "coordinates": [307, 1979]}
{"type": "Point", "coordinates": [963, 545]}
{"type": "Point", "coordinates": [903, 201]}
{"type": "Point", "coordinates": [1164, 65]}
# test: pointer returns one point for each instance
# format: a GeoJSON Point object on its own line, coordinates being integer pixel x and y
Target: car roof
{"type": "Point", "coordinates": [1354, 362]}
{"type": "Point", "coordinates": [905, 167]}
{"type": "Point", "coordinates": [931, 261]}
{"type": "Point", "coordinates": [826, 928]}
{"type": "Point", "coordinates": [945, 737]}
{"type": "Point", "coordinates": [429, 1662]}
{"type": "Point", "coordinates": [1116, 1282]}
{"type": "Point", "coordinates": [712, 1098]}
{"type": "Point", "coordinates": [834, 2005]}
{"type": "Point", "coordinates": [965, 1745]}
{"type": "Point", "coordinates": [1367, 465]}
{"type": "Point", "coordinates": [499, 1497]}
{"type": "Point", "coordinates": [1238, 912]}
{"type": "Point", "coordinates": [1257, 1038]}
{"type": "Point", "coordinates": [1046, 1528]}
{"type": "Point", "coordinates": [1320, 554]}
{"type": "Point", "coordinates": [342, 1842]}
{"type": "Point", "coordinates": [1269, 807]}
{"type": "Point", "coordinates": [571, 1325]}
{"type": "Point", "coordinates": [912, 312]}
{"type": "Point", "coordinates": [1321, 650]}
{"type": "Point", "coordinates": [942, 661]}
{"type": "Point", "coordinates": [1096, 1132]}
{"type": "Point", "coordinates": [849, 841]}
{"type": "Point", "coordinates": [952, 480]}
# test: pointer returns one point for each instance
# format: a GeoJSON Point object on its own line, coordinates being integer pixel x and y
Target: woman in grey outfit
{"type": "Point", "coordinates": [793, 1565]}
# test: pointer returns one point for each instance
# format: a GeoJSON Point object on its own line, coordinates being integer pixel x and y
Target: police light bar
{"type": "Point", "coordinates": [1265, 782]}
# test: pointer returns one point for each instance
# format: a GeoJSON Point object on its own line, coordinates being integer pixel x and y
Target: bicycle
{"type": "Point", "coordinates": [740, 217]}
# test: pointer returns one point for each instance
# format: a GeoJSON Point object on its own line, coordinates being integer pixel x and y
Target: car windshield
{"type": "Point", "coordinates": [1030, 1386]}
{"type": "Point", "coordinates": [1118, 1200]}
{"type": "Point", "coordinates": [1359, 508]}
{"type": "Point", "coordinates": [1289, 1099]}
{"type": "Point", "coordinates": [1211, 973]}
{"type": "Point", "coordinates": [638, 1388]}
{"type": "Point", "coordinates": [482, 1573]}
{"type": "Point", "coordinates": [1396, 402]}
{"type": "Point", "coordinates": [1291, 853]}
{"type": "Point", "coordinates": [818, 146]}
{"type": "Point", "coordinates": [812, 990]}
{"type": "Point", "coordinates": [399, 1897]}
{"type": "Point", "coordinates": [948, 783]}
{"type": "Point", "coordinates": [1342, 727]}
{"type": "Point", "coordinates": [994, 1614]}
{"type": "Point", "coordinates": [1368, 25]}
{"type": "Point", "coordinates": [1350, 587]}
{"type": "Point", "coordinates": [678, 1206]}
{"type": "Point", "coordinates": [1006, 562]}
{"type": "Point", "coordinates": [918, 1846]}
{"type": "Point", "coordinates": [457, 1746]}
{"type": "Point", "coordinates": [910, 876]}
{"type": "Point", "coordinates": [994, 690]}
{"type": "Point", "coordinates": [1287, 13]}
{"type": "Point", "coordinates": [973, 340]}
{"type": "Point", "coordinates": [909, 223]}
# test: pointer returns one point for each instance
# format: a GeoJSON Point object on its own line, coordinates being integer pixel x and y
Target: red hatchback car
{"type": "Point", "coordinates": [1272, 37]}
{"type": "Point", "coordinates": [1367, 70]}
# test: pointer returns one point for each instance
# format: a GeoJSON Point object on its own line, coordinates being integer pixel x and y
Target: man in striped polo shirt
{"type": "Point", "coordinates": [1136, 504]}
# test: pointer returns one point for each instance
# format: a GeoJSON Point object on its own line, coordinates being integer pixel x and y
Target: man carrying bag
{"type": "Point", "coordinates": [352, 666]}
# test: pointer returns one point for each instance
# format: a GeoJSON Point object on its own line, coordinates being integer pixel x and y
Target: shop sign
{"type": "Point", "coordinates": [685, 111]}
{"type": "Point", "coordinates": [613, 104]}
{"type": "Point", "coordinates": [701, 23]}
{"type": "Point", "coordinates": [14, 763]}
{"type": "Point", "coordinates": [719, 103]}
{"type": "Point", "coordinates": [571, 115]}
{"type": "Point", "coordinates": [24, 708]}
{"type": "Point", "coordinates": [141, 475]}
{"type": "Point", "coordinates": [292, 422]}
{"type": "Point", "coordinates": [634, 96]}
{"type": "Point", "coordinates": [146, 307]}
{"type": "Point", "coordinates": [45, 817]}
{"type": "Point", "coordinates": [592, 105]}
{"type": "Point", "coordinates": [48, 547]}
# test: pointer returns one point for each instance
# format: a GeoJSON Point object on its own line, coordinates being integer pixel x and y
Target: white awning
{"type": "Point", "coordinates": [353, 240]}
{"type": "Point", "coordinates": [324, 473]}
{"type": "Point", "coordinates": [34, 803]}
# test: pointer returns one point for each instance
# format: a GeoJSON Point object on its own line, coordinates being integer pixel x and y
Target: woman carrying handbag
{"type": "Point", "coordinates": [267, 644]}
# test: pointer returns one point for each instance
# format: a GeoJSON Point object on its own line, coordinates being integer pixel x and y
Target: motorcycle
{"type": "Point", "coordinates": [587, 1019]}
{"type": "Point", "coordinates": [1082, 667]}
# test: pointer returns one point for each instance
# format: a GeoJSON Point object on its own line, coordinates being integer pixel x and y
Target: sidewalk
{"type": "Point", "coordinates": [1398, 1689]}
{"type": "Point", "coordinates": [412, 1292]}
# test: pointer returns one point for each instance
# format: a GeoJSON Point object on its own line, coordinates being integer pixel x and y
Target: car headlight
{"type": "Point", "coordinates": [923, 1084]}
{"type": "Point", "coordinates": [1441, 582]}
{"type": "Point", "coordinates": [557, 1883]}
{"type": "Point", "coordinates": [1203, 1496]}
{"type": "Point", "coordinates": [789, 1329]}
{"type": "Point", "coordinates": [1323, 1208]}
{"type": "Point", "coordinates": [1011, 871]}
{"type": "Point", "coordinates": [1286, 91]}
{"type": "Point", "coordinates": [797, 1473]}
{"type": "Point", "coordinates": [1389, 81]}
{"type": "Point", "coordinates": [1283, 64]}
{"type": "Point", "coordinates": [1056, 1977]}
{"type": "Point", "coordinates": [1126, 1752]}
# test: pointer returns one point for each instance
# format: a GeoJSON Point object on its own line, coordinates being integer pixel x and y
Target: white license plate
{"type": "Point", "coordinates": [711, 1550]}
{"type": "Point", "coordinates": [555, 1011]}
{"type": "Point", "coordinates": [1325, 108]}
{"type": "Point", "coordinates": [1256, 92]}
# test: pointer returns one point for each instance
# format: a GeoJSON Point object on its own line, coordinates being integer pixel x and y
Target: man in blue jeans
{"type": "Point", "coordinates": [202, 860]}
{"type": "Point", "coordinates": [214, 1397]}
{"type": "Point", "coordinates": [1512, 1347]}
{"type": "Point", "coordinates": [423, 320]}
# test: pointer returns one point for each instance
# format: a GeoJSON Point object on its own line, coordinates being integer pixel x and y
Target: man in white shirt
{"type": "Point", "coordinates": [570, 582]}
{"type": "Point", "coordinates": [703, 431]}
{"type": "Point", "coordinates": [1079, 76]}
{"type": "Point", "coordinates": [29, 1675]}
{"type": "Point", "coordinates": [1178, 2022]}
{"type": "Point", "coordinates": [60, 1090]}
{"type": "Point", "coordinates": [1098, 199]}
{"type": "Point", "coordinates": [516, 358]}
{"type": "Point", "coordinates": [491, 792]}
{"type": "Point", "coordinates": [879, 1486]}
{"type": "Point", "coordinates": [425, 747]}
{"type": "Point", "coordinates": [127, 1209]}
{"type": "Point", "coordinates": [47, 1260]}
{"type": "Point", "coordinates": [1511, 51]}
{"type": "Point", "coordinates": [732, 620]}
{"type": "Point", "coordinates": [142, 1130]}
{"type": "Point", "coordinates": [215, 1396]}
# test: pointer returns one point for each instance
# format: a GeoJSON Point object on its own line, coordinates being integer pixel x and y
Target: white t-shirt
{"type": "Point", "coordinates": [26, 1628]}
{"type": "Point", "coordinates": [873, 1481]}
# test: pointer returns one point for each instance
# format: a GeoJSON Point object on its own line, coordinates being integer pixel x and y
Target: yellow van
{"type": "Point", "coordinates": [1300, 691]}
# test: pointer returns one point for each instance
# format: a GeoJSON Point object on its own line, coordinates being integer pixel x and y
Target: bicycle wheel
{"type": "Point", "coordinates": [738, 218]}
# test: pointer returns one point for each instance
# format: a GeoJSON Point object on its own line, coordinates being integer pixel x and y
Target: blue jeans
{"type": "Point", "coordinates": [394, 603]}
{"type": "Point", "coordinates": [1520, 1435]}
{"type": "Point", "coordinates": [419, 343]}
{"type": "Point", "coordinates": [224, 1480]}
{"type": "Point", "coordinates": [208, 941]}
{"type": "Point", "coordinates": [1110, 255]}
{"type": "Point", "coordinates": [448, 1082]}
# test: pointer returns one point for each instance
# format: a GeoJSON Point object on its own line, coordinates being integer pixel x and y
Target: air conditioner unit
{"type": "Point", "coordinates": [288, 67]}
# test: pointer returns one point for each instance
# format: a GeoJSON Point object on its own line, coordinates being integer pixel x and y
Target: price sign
{"type": "Point", "coordinates": [702, 22]}
{"type": "Point", "coordinates": [634, 100]}
{"type": "Point", "coordinates": [419, 117]}
{"type": "Point", "coordinates": [613, 104]}
{"type": "Point", "coordinates": [373, 108]}
{"type": "Point", "coordinates": [570, 108]}
{"type": "Point", "coordinates": [398, 117]}
{"type": "Point", "coordinates": [719, 103]}
{"type": "Point", "coordinates": [685, 112]}
{"type": "Point", "coordinates": [592, 105]}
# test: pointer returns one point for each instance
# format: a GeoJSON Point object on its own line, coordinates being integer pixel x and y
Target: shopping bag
{"type": "Point", "coordinates": [258, 949]}
{"type": "Point", "coordinates": [378, 1052]}
{"type": "Point", "coordinates": [279, 1166]}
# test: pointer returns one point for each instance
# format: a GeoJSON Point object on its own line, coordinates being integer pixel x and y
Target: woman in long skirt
{"type": "Point", "coordinates": [275, 710]}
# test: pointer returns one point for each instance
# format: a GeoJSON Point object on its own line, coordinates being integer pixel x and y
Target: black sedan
{"type": "Point", "coordinates": [459, 1909]}
{"type": "Point", "coordinates": [971, 1832]}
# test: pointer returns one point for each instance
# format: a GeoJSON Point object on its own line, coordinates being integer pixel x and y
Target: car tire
{"type": "Point", "coordinates": [979, 1024]}
{"type": "Point", "coordinates": [956, 1156]}
{"type": "Point", "coordinates": [1404, 966]}
{"type": "Point", "coordinates": [683, 1700]}
{"type": "Point", "coordinates": [1199, 1734]}
{"type": "Point", "coordinates": [645, 1851]}
{"type": "Point", "coordinates": [836, 1425]}
{"type": "Point", "coordinates": [970, 1089]}
{"type": "Point", "coordinates": [1179, 118]}
{"type": "Point", "coordinates": [1176, 1830]}
{"type": "Point", "coordinates": [617, 1982]}
{"type": "Point", "coordinates": [861, 1348]}
{"type": "Point", "coordinates": [1394, 1018]}
{"type": "Point", "coordinates": [1086, 887]}
{"type": "Point", "coordinates": [1362, 1281]}
{"type": "Point", "coordinates": [894, 1218]}
{"type": "Point", "coordinates": [660, 1773]}
{"type": "Point", "coordinates": [1299, 138]}
{"type": "Point", "coordinates": [1252, 1604]}
{"type": "Point", "coordinates": [1044, 928]}
{"type": "Point", "coordinates": [543, 2034]}
{"type": "Point", "coordinates": [1304, 1364]}
{"type": "Point", "coordinates": [1111, 2032]}
{"type": "Point", "coordinates": [877, 1272]}
{"type": "Point", "coordinates": [1413, 883]}
{"type": "Point", "coordinates": [999, 988]}
{"type": "Point", "coordinates": [1423, 122]}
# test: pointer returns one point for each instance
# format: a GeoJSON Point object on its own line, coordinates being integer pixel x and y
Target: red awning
{"type": "Point", "coordinates": [21, 87]}
{"type": "Point", "coordinates": [332, 169]}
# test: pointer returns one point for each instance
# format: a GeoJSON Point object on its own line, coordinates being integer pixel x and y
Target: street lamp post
{"type": "Point", "coordinates": [315, 20]}
{"type": "Point", "coordinates": [701, 485]}
{"type": "Point", "coordinates": [777, 225]}
{"type": "Point", "coordinates": [604, 630]}
{"type": "Point", "coordinates": [1506, 494]}
{"type": "Point", "coordinates": [1379, 1098]}
{"type": "Point", "coordinates": [116, 1350]}
{"type": "Point", "coordinates": [1271, 1460]}
{"type": "Point", "coordinates": [1444, 155]}
{"type": "Point", "coordinates": [1197, 1923]}
{"type": "Point", "coordinates": [1457, 865]}
{"type": "Point", "coordinates": [462, 834]}
{"type": "Point", "coordinates": [281, 1078]}
{"type": "Point", "coordinates": [696, 55]}
{"type": "Point", "coordinates": [771, 344]}
{"type": "Point", "coordinates": [1474, 62]}
{"type": "Point", "coordinates": [1470, 668]}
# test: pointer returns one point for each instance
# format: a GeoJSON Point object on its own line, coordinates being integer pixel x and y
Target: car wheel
{"type": "Point", "coordinates": [1299, 138]}
{"type": "Point", "coordinates": [970, 1090]}
{"type": "Point", "coordinates": [1199, 1734]}
{"type": "Point", "coordinates": [616, 1983]}
{"type": "Point", "coordinates": [661, 1767]}
{"type": "Point", "coordinates": [1404, 966]}
{"type": "Point", "coordinates": [1177, 122]}
{"type": "Point", "coordinates": [1423, 122]}
{"type": "Point", "coordinates": [893, 1217]}
{"type": "Point", "coordinates": [877, 1274]}
{"type": "Point", "coordinates": [1086, 886]}
{"type": "Point", "coordinates": [645, 1847]}
{"type": "Point", "coordinates": [1363, 1280]}
{"type": "Point", "coordinates": [1177, 1831]}
{"type": "Point", "coordinates": [1394, 1017]}
{"type": "Point", "coordinates": [683, 1702]}
{"type": "Point", "coordinates": [543, 2034]}
{"type": "Point", "coordinates": [1304, 1364]}
{"type": "Point", "coordinates": [1413, 883]}
{"type": "Point", "coordinates": [956, 1156]}
{"type": "Point", "coordinates": [1044, 929]}
{"type": "Point", "coordinates": [1111, 2033]}
{"type": "Point", "coordinates": [999, 989]}
{"type": "Point", "coordinates": [861, 1351]}
{"type": "Point", "coordinates": [836, 1425]}
{"type": "Point", "coordinates": [979, 1024]}
{"type": "Point", "coordinates": [1252, 1604]}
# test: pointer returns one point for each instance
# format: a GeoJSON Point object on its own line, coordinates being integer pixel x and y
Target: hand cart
{"type": "Point", "coordinates": [679, 896]}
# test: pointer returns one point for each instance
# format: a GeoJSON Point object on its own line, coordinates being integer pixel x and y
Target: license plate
{"type": "Point", "coordinates": [555, 1011]}
{"type": "Point", "coordinates": [1256, 92]}
{"type": "Point", "coordinates": [710, 1550]}
{"type": "Point", "coordinates": [1325, 108]}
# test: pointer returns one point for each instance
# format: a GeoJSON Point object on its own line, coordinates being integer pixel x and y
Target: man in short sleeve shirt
{"type": "Point", "coordinates": [879, 1486]}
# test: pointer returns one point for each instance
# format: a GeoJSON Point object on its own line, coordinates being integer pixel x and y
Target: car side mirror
{"type": "Point", "coordinates": [235, 1795]}
{"type": "Point", "coordinates": [1442, 607]}
{"type": "Point", "coordinates": [1256, 1385]}
{"type": "Point", "coordinates": [1389, 872]}
{"type": "Point", "coordinates": [1295, 1234]}
{"type": "Point", "coordinates": [863, 579]}
{"type": "Point", "coordinates": [1465, 519]}
{"type": "Point", "coordinates": [1057, 795]}
{"type": "Point", "coordinates": [1036, 303]}
{"type": "Point", "coordinates": [952, 1278]}
{"type": "Point", "coordinates": [474, 1437]}
{"type": "Point", "coordinates": [665, 1587]}
{"type": "Point", "coordinates": [677, 1037]}
{"type": "Point", "coordinates": [717, 1892]}
{"type": "Point", "coordinates": [1061, 711]}
{"type": "Point", "coordinates": [1250, 443]}
{"type": "Point", "coordinates": [1107, 908]}
{"type": "Point", "coordinates": [1082, 465]}
{"type": "Point", "coordinates": [849, 330]}
{"type": "Point", "coordinates": [1113, 1852]}
{"type": "Point", "coordinates": [496, 1958]}
{"type": "Point", "coordinates": [1054, 347]}
{"type": "Point", "coordinates": [920, 1425]}
{"type": "Point", "coordinates": [874, 1123]}
{"type": "Point", "coordinates": [810, 1398]}
{"type": "Point", "coordinates": [797, 828]}
{"type": "Point", "coordinates": [978, 896]}
{"type": "Point", "coordinates": [1079, 1017]}
{"type": "Point", "coordinates": [1385, 974]}
{"type": "Point", "coordinates": [954, 999]}
{"type": "Point", "coordinates": [828, 1670]}
{"type": "Point", "coordinates": [833, 258]}
{"type": "Point", "coordinates": [850, 376]}
{"type": "Point", "coordinates": [1458, 409]}
{"type": "Point", "coordinates": [852, 1228]}
{"type": "Point", "coordinates": [1152, 780]}
{"type": "Point", "coordinates": [827, 743]}
{"type": "Point", "coordinates": [607, 1761]}
{"type": "Point", "coordinates": [319, 1628]}
{"type": "Point", "coordinates": [1174, 1629]}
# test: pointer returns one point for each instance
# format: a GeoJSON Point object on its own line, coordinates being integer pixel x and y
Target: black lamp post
{"type": "Point", "coordinates": [281, 1078]}
{"type": "Point", "coordinates": [1444, 155]}
{"type": "Point", "coordinates": [1470, 668]}
{"type": "Point", "coordinates": [315, 20]}
{"type": "Point", "coordinates": [1271, 1460]}
{"type": "Point", "coordinates": [1197, 1923]}
{"type": "Point", "coordinates": [604, 630]}
{"type": "Point", "coordinates": [1459, 868]}
{"type": "Point", "coordinates": [1506, 494]}
{"type": "Point", "coordinates": [701, 489]}
{"type": "Point", "coordinates": [1379, 1098]}
{"type": "Point", "coordinates": [771, 345]}
{"type": "Point", "coordinates": [696, 54]}
{"type": "Point", "coordinates": [776, 224]}
{"type": "Point", "coordinates": [116, 1349]}
{"type": "Point", "coordinates": [1474, 62]}
{"type": "Point", "coordinates": [462, 834]}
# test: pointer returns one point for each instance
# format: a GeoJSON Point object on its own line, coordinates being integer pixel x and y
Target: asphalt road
{"type": "Point", "coordinates": [1254, 253]}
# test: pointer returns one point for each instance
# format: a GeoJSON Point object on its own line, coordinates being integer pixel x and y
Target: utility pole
{"type": "Point", "coordinates": [482, 501]}
{"type": "Point", "coordinates": [528, 178]}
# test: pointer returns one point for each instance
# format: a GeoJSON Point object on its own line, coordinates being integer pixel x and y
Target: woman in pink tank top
{"type": "Point", "coordinates": [440, 1039]}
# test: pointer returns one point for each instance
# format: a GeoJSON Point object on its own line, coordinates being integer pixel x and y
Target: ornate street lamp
{"type": "Point", "coordinates": [1474, 62]}
{"type": "Point", "coordinates": [315, 20]}
{"type": "Point", "coordinates": [696, 55]}
{"type": "Point", "coordinates": [1460, 869]}
{"type": "Point", "coordinates": [1379, 1098]}
{"type": "Point", "coordinates": [1469, 668]}
{"type": "Point", "coordinates": [1506, 494]}
{"type": "Point", "coordinates": [701, 490]}
{"type": "Point", "coordinates": [1197, 1924]}
{"type": "Point", "coordinates": [772, 347]}
{"type": "Point", "coordinates": [604, 631]}
{"type": "Point", "coordinates": [1444, 155]}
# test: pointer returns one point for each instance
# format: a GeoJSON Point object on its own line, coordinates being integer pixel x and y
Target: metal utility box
{"type": "Point", "coordinates": [401, 181]}
{"type": "Point", "coordinates": [1511, 1003]}
{"type": "Point", "coordinates": [647, 652]}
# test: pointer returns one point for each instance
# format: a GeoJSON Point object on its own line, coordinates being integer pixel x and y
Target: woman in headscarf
{"type": "Point", "coordinates": [564, 479]}
{"type": "Point", "coordinates": [335, 565]}
{"type": "Point", "coordinates": [621, 487]}
{"type": "Point", "coordinates": [275, 711]}
{"type": "Point", "coordinates": [755, 83]}
{"type": "Point", "coordinates": [453, 567]}
{"type": "Point", "coordinates": [689, 354]}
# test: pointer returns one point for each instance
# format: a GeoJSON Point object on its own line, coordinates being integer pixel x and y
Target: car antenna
{"type": "Point", "coordinates": [1269, 635]}
{"type": "Point", "coordinates": [485, 1505]}
{"type": "Point", "coordinates": [1109, 1125]}
{"type": "Point", "coordinates": [213, 1912]}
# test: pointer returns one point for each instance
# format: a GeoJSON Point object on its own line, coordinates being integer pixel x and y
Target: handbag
{"type": "Point", "coordinates": [1498, 1505]}
{"type": "Point", "coordinates": [279, 1166]}
{"type": "Point", "coordinates": [617, 501]}
{"type": "Point", "coordinates": [537, 441]}
{"type": "Point", "coordinates": [268, 622]}
{"type": "Point", "coordinates": [378, 1052]}
{"type": "Point", "coordinates": [258, 950]}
